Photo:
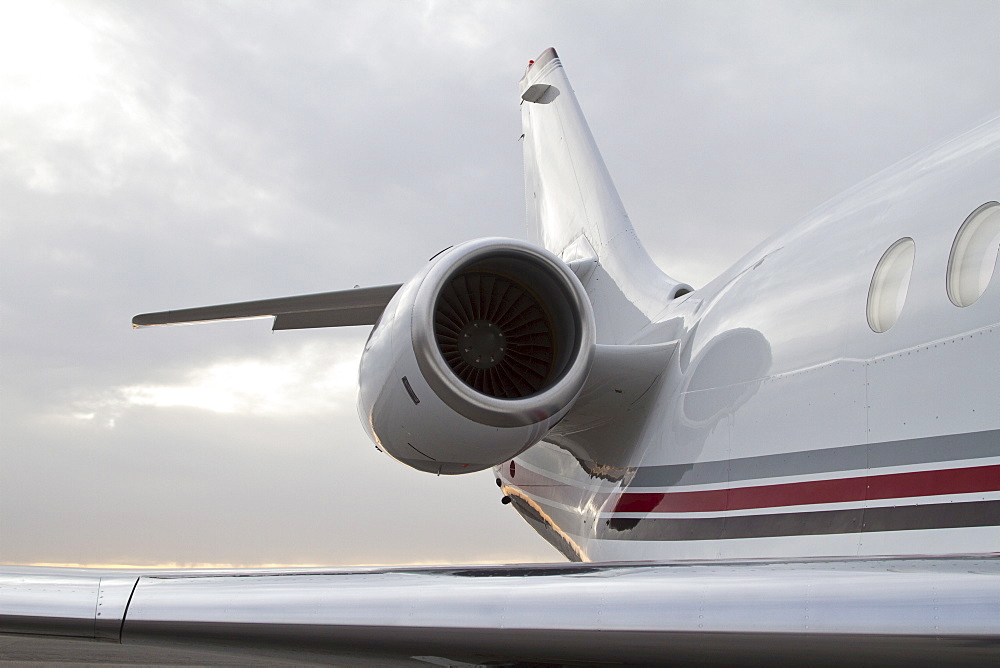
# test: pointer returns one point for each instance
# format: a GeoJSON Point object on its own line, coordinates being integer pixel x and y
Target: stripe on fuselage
{"type": "Point", "coordinates": [954, 447]}
{"type": "Point", "coordinates": [956, 493]}
{"type": "Point", "coordinates": [891, 518]}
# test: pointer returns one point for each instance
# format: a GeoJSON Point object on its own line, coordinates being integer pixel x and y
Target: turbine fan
{"type": "Point", "coordinates": [495, 334]}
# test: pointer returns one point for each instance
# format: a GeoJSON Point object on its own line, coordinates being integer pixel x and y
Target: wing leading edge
{"type": "Point", "coordinates": [341, 308]}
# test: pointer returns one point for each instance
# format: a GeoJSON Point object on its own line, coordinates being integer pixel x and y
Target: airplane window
{"type": "Point", "coordinates": [889, 285]}
{"type": "Point", "coordinates": [973, 257]}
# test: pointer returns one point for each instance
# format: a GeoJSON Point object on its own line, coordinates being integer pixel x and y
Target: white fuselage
{"type": "Point", "coordinates": [785, 425]}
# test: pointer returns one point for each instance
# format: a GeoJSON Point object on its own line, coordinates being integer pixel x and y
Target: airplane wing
{"type": "Point", "coordinates": [892, 611]}
{"type": "Point", "coordinates": [342, 308]}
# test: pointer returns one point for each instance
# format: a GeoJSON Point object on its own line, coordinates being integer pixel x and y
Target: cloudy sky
{"type": "Point", "coordinates": [157, 155]}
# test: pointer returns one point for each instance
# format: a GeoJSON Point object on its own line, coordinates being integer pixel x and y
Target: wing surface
{"type": "Point", "coordinates": [360, 306]}
{"type": "Point", "coordinates": [890, 611]}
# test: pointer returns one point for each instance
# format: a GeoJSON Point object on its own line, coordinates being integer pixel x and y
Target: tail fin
{"type": "Point", "coordinates": [575, 212]}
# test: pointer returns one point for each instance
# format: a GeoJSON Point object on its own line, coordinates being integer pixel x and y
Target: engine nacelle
{"type": "Point", "coordinates": [476, 357]}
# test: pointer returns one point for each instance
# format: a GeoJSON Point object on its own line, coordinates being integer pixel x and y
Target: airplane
{"type": "Point", "coordinates": [798, 461]}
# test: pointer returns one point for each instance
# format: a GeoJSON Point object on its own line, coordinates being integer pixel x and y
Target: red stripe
{"type": "Point", "coordinates": [930, 483]}
{"type": "Point", "coordinates": [841, 490]}
{"type": "Point", "coordinates": [674, 502]}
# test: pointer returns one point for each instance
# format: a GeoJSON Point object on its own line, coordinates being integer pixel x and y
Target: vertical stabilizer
{"type": "Point", "coordinates": [575, 212]}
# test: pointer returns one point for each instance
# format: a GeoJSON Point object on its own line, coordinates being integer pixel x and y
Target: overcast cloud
{"type": "Point", "coordinates": [158, 155]}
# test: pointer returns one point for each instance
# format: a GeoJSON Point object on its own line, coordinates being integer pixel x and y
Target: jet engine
{"type": "Point", "coordinates": [476, 357]}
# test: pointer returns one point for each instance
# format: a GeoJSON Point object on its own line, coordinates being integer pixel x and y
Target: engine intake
{"type": "Point", "coordinates": [495, 335]}
{"type": "Point", "coordinates": [495, 338]}
{"type": "Point", "coordinates": [510, 322]}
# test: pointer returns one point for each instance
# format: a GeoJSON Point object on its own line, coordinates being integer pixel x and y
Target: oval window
{"type": "Point", "coordinates": [889, 285]}
{"type": "Point", "coordinates": [973, 256]}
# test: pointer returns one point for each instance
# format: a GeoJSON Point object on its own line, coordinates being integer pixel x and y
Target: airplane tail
{"type": "Point", "coordinates": [573, 208]}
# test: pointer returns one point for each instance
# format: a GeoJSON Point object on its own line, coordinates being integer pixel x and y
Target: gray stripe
{"type": "Point", "coordinates": [899, 518]}
{"type": "Point", "coordinates": [950, 447]}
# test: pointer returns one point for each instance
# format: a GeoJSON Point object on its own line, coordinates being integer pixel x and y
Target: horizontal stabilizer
{"type": "Point", "coordinates": [360, 306]}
